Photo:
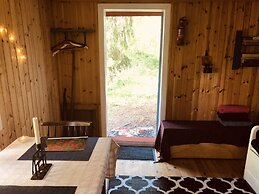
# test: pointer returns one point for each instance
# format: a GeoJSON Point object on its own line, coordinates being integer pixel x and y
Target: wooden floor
{"type": "Point", "coordinates": [183, 167]}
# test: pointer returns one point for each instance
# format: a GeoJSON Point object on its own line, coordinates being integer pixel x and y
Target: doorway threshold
{"type": "Point", "coordinates": [135, 141]}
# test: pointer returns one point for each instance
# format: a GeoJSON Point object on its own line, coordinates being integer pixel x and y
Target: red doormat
{"type": "Point", "coordinates": [65, 144]}
{"type": "Point", "coordinates": [139, 136]}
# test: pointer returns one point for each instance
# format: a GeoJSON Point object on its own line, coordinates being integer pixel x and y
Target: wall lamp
{"type": "Point", "coordinates": [183, 22]}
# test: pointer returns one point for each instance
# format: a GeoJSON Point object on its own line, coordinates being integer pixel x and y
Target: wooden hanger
{"type": "Point", "coordinates": [68, 45]}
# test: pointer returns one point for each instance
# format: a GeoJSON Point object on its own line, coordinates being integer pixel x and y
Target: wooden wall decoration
{"type": "Point", "coordinates": [28, 82]}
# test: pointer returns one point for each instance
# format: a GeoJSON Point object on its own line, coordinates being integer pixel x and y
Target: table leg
{"type": "Point", "coordinates": [105, 186]}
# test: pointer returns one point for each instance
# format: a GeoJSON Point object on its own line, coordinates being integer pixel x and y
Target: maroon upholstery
{"type": "Point", "coordinates": [233, 109]}
{"type": "Point", "coordinates": [194, 132]}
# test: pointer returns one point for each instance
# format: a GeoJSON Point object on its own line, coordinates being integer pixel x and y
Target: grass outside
{"type": "Point", "coordinates": [132, 97]}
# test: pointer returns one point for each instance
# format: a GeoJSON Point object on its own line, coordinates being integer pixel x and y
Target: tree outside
{"type": "Point", "coordinates": [133, 49]}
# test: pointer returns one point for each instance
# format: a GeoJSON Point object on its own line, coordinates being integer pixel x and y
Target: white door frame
{"type": "Point", "coordinates": [166, 9]}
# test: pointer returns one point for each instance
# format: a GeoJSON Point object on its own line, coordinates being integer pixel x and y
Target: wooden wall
{"type": "Point", "coordinates": [28, 81]}
{"type": "Point", "coordinates": [86, 87]}
{"type": "Point", "coordinates": [32, 81]}
{"type": "Point", "coordinates": [212, 26]}
{"type": "Point", "coordinates": [70, 14]}
{"type": "Point", "coordinates": [191, 93]}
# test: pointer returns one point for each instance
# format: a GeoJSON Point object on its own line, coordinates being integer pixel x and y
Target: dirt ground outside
{"type": "Point", "coordinates": [132, 115]}
{"type": "Point", "coordinates": [132, 102]}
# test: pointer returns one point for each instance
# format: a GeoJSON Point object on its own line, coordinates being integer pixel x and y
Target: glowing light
{"type": "Point", "coordinates": [11, 37]}
{"type": "Point", "coordinates": [18, 50]}
{"type": "Point", "coordinates": [3, 30]}
{"type": "Point", "coordinates": [22, 57]}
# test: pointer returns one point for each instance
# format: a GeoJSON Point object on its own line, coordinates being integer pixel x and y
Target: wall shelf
{"type": "Point", "coordinates": [246, 53]}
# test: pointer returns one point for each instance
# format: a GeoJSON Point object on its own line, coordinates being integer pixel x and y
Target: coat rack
{"type": "Point", "coordinates": [68, 44]}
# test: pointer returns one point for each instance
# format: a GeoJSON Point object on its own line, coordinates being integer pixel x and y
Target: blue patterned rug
{"type": "Point", "coordinates": [177, 185]}
{"type": "Point", "coordinates": [136, 153]}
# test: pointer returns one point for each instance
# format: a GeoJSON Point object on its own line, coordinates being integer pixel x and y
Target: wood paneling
{"type": "Point", "coordinates": [192, 94]}
{"type": "Point", "coordinates": [33, 86]}
{"type": "Point", "coordinates": [212, 26]}
{"type": "Point", "coordinates": [78, 15]}
{"type": "Point", "coordinates": [86, 90]}
{"type": "Point", "coordinates": [28, 81]}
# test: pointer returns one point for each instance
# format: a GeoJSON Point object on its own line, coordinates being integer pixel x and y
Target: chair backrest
{"type": "Point", "coordinates": [68, 128]}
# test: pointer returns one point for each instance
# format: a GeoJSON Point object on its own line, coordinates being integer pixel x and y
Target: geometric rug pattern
{"type": "Point", "coordinates": [177, 185]}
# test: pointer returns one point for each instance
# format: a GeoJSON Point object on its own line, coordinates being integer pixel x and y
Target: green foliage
{"type": "Point", "coordinates": [137, 82]}
{"type": "Point", "coordinates": [147, 60]}
{"type": "Point", "coordinates": [118, 66]}
{"type": "Point", "coordinates": [132, 69]}
{"type": "Point", "coordinates": [120, 38]}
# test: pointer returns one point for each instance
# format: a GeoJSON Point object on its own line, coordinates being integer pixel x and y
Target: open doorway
{"type": "Point", "coordinates": [162, 12]}
{"type": "Point", "coordinates": [132, 41]}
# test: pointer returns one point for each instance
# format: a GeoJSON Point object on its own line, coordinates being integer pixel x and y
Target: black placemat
{"type": "Point", "coordinates": [82, 155]}
{"type": "Point", "coordinates": [135, 153]}
{"type": "Point", "coordinates": [11, 189]}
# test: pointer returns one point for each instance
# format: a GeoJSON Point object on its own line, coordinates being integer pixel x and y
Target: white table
{"type": "Point", "coordinates": [88, 176]}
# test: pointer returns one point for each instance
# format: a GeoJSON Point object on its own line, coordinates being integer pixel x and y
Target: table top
{"type": "Point", "coordinates": [88, 176]}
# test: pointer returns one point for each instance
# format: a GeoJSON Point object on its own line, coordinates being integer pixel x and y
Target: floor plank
{"type": "Point", "coordinates": [183, 167]}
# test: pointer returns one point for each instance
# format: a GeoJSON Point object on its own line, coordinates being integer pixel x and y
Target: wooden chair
{"type": "Point", "coordinates": [68, 128]}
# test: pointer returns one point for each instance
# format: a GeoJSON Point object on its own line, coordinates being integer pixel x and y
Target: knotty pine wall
{"type": "Point", "coordinates": [32, 85]}
{"type": "Point", "coordinates": [77, 14]}
{"type": "Point", "coordinates": [28, 81]}
{"type": "Point", "coordinates": [191, 93]}
{"type": "Point", "coordinates": [212, 26]}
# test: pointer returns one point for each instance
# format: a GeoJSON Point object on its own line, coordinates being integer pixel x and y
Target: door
{"type": "Point", "coordinates": [162, 10]}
